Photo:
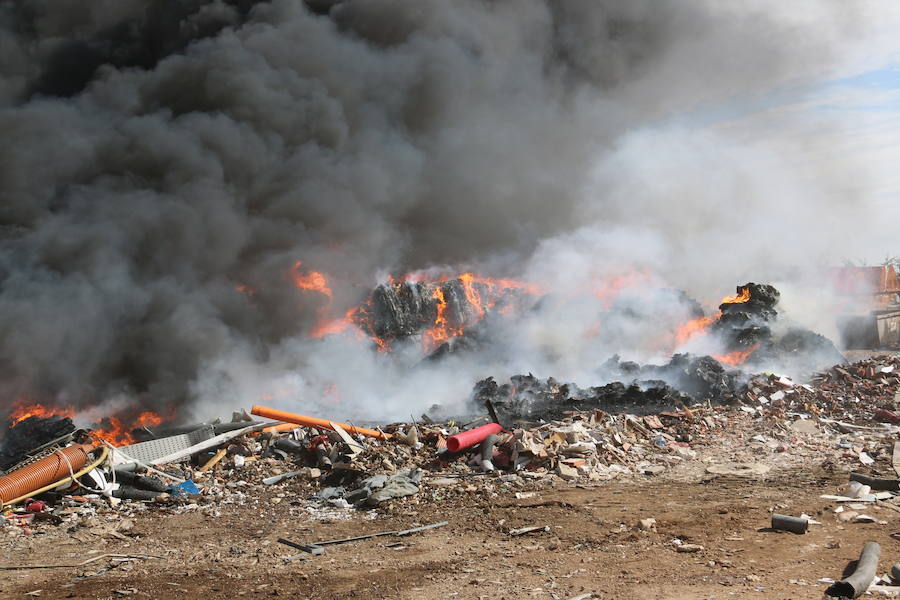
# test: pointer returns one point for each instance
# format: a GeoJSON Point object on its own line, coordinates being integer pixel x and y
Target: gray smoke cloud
{"type": "Point", "coordinates": [164, 165]}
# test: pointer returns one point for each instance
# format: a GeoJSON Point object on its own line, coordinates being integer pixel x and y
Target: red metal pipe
{"type": "Point", "coordinates": [467, 439]}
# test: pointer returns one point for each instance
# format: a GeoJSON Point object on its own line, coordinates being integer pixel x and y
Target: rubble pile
{"type": "Point", "coordinates": [634, 388]}
{"type": "Point", "coordinates": [861, 393]}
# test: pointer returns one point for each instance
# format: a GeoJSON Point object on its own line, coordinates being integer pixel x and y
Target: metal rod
{"type": "Point", "coordinates": [400, 532]}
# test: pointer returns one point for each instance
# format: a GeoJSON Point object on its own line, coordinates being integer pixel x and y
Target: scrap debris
{"type": "Point", "coordinates": [556, 438]}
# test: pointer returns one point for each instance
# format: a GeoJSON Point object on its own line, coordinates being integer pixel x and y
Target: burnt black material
{"type": "Point", "coordinates": [527, 398]}
{"type": "Point", "coordinates": [745, 324]}
{"type": "Point", "coordinates": [127, 492]}
{"type": "Point", "coordinates": [876, 483]}
{"type": "Point", "coordinates": [29, 435]}
{"type": "Point", "coordinates": [698, 377]}
{"type": "Point", "coordinates": [152, 484]}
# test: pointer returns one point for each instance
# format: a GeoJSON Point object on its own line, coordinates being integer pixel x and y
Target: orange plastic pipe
{"type": "Point", "coordinates": [22, 482]}
{"type": "Point", "coordinates": [281, 427]}
{"type": "Point", "coordinates": [281, 415]}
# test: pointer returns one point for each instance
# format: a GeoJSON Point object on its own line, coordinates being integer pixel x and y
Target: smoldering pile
{"type": "Point", "coordinates": [636, 389]}
{"type": "Point", "coordinates": [745, 325]}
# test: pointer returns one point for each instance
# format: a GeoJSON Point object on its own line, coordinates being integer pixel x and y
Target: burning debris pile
{"type": "Point", "coordinates": [746, 326]}
{"type": "Point", "coordinates": [549, 432]}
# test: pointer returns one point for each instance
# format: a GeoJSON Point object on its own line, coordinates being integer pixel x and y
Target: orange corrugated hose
{"type": "Point", "coordinates": [46, 471]}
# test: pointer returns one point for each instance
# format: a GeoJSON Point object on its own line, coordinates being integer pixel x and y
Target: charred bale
{"type": "Point", "coordinates": [743, 325]}
{"type": "Point", "coordinates": [399, 310]}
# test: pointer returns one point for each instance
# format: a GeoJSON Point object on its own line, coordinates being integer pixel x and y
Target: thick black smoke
{"type": "Point", "coordinates": [157, 155]}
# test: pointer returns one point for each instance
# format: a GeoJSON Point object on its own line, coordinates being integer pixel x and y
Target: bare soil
{"type": "Point", "coordinates": [593, 545]}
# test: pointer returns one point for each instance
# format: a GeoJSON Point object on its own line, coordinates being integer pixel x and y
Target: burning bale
{"type": "Point", "coordinates": [437, 311]}
{"type": "Point", "coordinates": [745, 319]}
{"type": "Point", "coordinates": [747, 327]}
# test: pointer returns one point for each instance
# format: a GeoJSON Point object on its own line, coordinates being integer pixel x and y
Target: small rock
{"type": "Point", "coordinates": [647, 524]}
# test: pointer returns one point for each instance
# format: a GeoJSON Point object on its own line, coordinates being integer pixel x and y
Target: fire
{"type": "Point", "coordinates": [313, 280]}
{"type": "Point", "coordinates": [333, 326]}
{"type": "Point", "coordinates": [118, 433]}
{"type": "Point", "coordinates": [693, 328]}
{"type": "Point", "coordinates": [472, 295]}
{"type": "Point", "coordinates": [441, 332]}
{"type": "Point", "coordinates": [609, 289]}
{"type": "Point", "coordinates": [742, 296]}
{"type": "Point", "coordinates": [481, 294]}
{"type": "Point", "coordinates": [23, 411]}
{"type": "Point", "coordinates": [114, 429]}
{"type": "Point", "coordinates": [737, 357]}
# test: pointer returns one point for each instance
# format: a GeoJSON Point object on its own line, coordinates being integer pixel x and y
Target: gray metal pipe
{"type": "Point", "coordinates": [859, 581]}
{"type": "Point", "coordinates": [788, 523]}
{"type": "Point", "coordinates": [487, 451]}
{"type": "Point", "coordinates": [876, 483]}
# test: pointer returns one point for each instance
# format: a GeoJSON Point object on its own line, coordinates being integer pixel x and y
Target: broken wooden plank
{"type": "Point", "coordinates": [213, 461]}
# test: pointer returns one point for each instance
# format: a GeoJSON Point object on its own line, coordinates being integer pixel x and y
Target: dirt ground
{"type": "Point", "coordinates": [593, 546]}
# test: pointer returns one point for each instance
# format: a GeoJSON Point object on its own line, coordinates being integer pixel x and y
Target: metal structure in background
{"type": "Point", "coordinates": [869, 309]}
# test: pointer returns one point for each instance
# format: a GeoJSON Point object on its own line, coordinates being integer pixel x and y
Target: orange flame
{"type": "Point", "coordinates": [23, 411]}
{"type": "Point", "coordinates": [118, 433]}
{"type": "Point", "coordinates": [737, 357]}
{"type": "Point", "coordinates": [742, 296]}
{"type": "Point", "coordinates": [693, 328]}
{"type": "Point", "coordinates": [313, 280]}
{"type": "Point", "coordinates": [114, 429]}
{"type": "Point", "coordinates": [441, 332]}
{"type": "Point", "coordinates": [608, 289]}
